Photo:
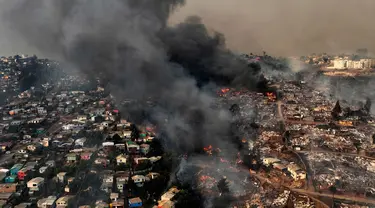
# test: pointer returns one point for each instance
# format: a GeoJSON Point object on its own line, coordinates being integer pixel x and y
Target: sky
{"type": "Point", "coordinates": [288, 27]}
{"type": "Point", "coordinates": [279, 27]}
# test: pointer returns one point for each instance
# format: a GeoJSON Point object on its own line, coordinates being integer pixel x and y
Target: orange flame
{"type": "Point", "coordinates": [208, 148]}
{"type": "Point", "coordinates": [271, 96]}
{"type": "Point", "coordinates": [225, 90]}
{"type": "Point", "coordinates": [346, 123]}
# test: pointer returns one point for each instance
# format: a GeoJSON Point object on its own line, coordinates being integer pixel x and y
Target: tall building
{"type": "Point", "coordinates": [352, 64]}
{"type": "Point", "coordinates": [339, 64]}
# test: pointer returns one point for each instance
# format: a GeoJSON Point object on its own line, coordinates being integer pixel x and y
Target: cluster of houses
{"type": "Point", "coordinates": [54, 141]}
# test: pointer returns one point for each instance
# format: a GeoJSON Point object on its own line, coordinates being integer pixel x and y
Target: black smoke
{"type": "Point", "coordinates": [128, 44]}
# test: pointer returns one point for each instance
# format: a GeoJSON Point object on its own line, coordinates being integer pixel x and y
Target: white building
{"type": "Point", "coordinates": [339, 63]}
{"type": "Point", "coordinates": [352, 64]}
{"type": "Point", "coordinates": [35, 184]}
{"type": "Point", "coordinates": [121, 159]}
{"type": "Point", "coordinates": [47, 202]}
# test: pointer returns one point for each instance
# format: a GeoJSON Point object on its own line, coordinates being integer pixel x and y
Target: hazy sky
{"type": "Point", "coordinates": [280, 27]}
{"type": "Point", "coordinates": [288, 27]}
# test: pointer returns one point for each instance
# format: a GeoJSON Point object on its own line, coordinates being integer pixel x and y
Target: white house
{"type": "Point", "coordinates": [140, 159]}
{"type": "Point", "coordinates": [63, 201]}
{"type": "Point", "coordinates": [46, 202]}
{"type": "Point", "coordinates": [270, 160]}
{"type": "Point", "coordinates": [43, 169]}
{"type": "Point", "coordinates": [108, 179]}
{"type": "Point", "coordinates": [127, 134]}
{"type": "Point", "coordinates": [82, 118]}
{"type": "Point", "coordinates": [51, 163]}
{"type": "Point", "coordinates": [139, 179]}
{"type": "Point", "coordinates": [80, 141]}
{"type": "Point", "coordinates": [121, 159]}
{"type": "Point", "coordinates": [296, 172]}
{"type": "Point", "coordinates": [35, 184]}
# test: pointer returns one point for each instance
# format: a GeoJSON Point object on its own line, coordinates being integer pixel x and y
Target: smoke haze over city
{"type": "Point", "coordinates": [289, 27]}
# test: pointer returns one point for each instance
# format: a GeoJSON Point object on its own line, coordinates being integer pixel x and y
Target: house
{"type": "Point", "coordinates": [44, 169]}
{"type": "Point", "coordinates": [101, 204]}
{"type": "Point", "coordinates": [36, 121]}
{"type": "Point", "coordinates": [127, 134]}
{"type": "Point", "coordinates": [296, 172]}
{"type": "Point", "coordinates": [169, 194]}
{"type": "Point", "coordinates": [165, 204]}
{"type": "Point", "coordinates": [23, 205]}
{"type": "Point", "coordinates": [121, 159]}
{"type": "Point", "coordinates": [5, 146]}
{"type": "Point", "coordinates": [108, 146]}
{"type": "Point", "coordinates": [107, 183]}
{"type": "Point", "coordinates": [14, 170]}
{"type": "Point", "coordinates": [132, 147]}
{"type": "Point", "coordinates": [61, 177]}
{"type": "Point", "coordinates": [71, 158]}
{"type": "Point", "coordinates": [6, 197]}
{"type": "Point", "coordinates": [104, 124]}
{"type": "Point", "coordinates": [80, 142]}
{"type": "Point", "coordinates": [73, 126]}
{"type": "Point", "coordinates": [3, 176]}
{"type": "Point", "coordinates": [48, 202]}
{"type": "Point", "coordinates": [102, 161]}
{"type": "Point", "coordinates": [135, 202]}
{"type": "Point", "coordinates": [81, 117]}
{"type": "Point", "coordinates": [22, 151]}
{"type": "Point", "coordinates": [122, 178]}
{"type": "Point", "coordinates": [120, 147]}
{"type": "Point", "coordinates": [108, 179]}
{"type": "Point", "coordinates": [24, 172]}
{"type": "Point", "coordinates": [86, 155]}
{"type": "Point", "coordinates": [152, 175]}
{"type": "Point", "coordinates": [64, 201]}
{"type": "Point", "coordinates": [51, 163]}
{"type": "Point", "coordinates": [114, 196]}
{"type": "Point", "coordinates": [117, 204]}
{"type": "Point", "coordinates": [154, 159]}
{"type": "Point", "coordinates": [270, 160]}
{"type": "Point", "coordinates": [139, 160]}
{"type": "Point", "coordinates": [139, 180]}
{"type": "Point", "coordinates": [8, 187]}
{"type": "Point", "coordinates": [145, 148]}
{"type": "Point", "coordinates": [35, 184]}
{"type": "Point", "coordinates": [34, 147]}
{"type": "Point", "coordinates": [10, 179]}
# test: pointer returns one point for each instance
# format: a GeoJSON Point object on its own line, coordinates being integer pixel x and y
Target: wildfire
{"type": "Point", "coordinates": [271, 96]}
{"type": "Point", "coordinates": [225, 90]}
{"type": "Point", "coordinates": [346, 123]}
{"type": "Point", "coordinates": [208, 149]}
{"type": "Point", "coordinates": [205, 178]}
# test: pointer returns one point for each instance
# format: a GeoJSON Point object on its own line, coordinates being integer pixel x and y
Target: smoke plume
{"type": "Point", "coordinates": [129, 45]}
